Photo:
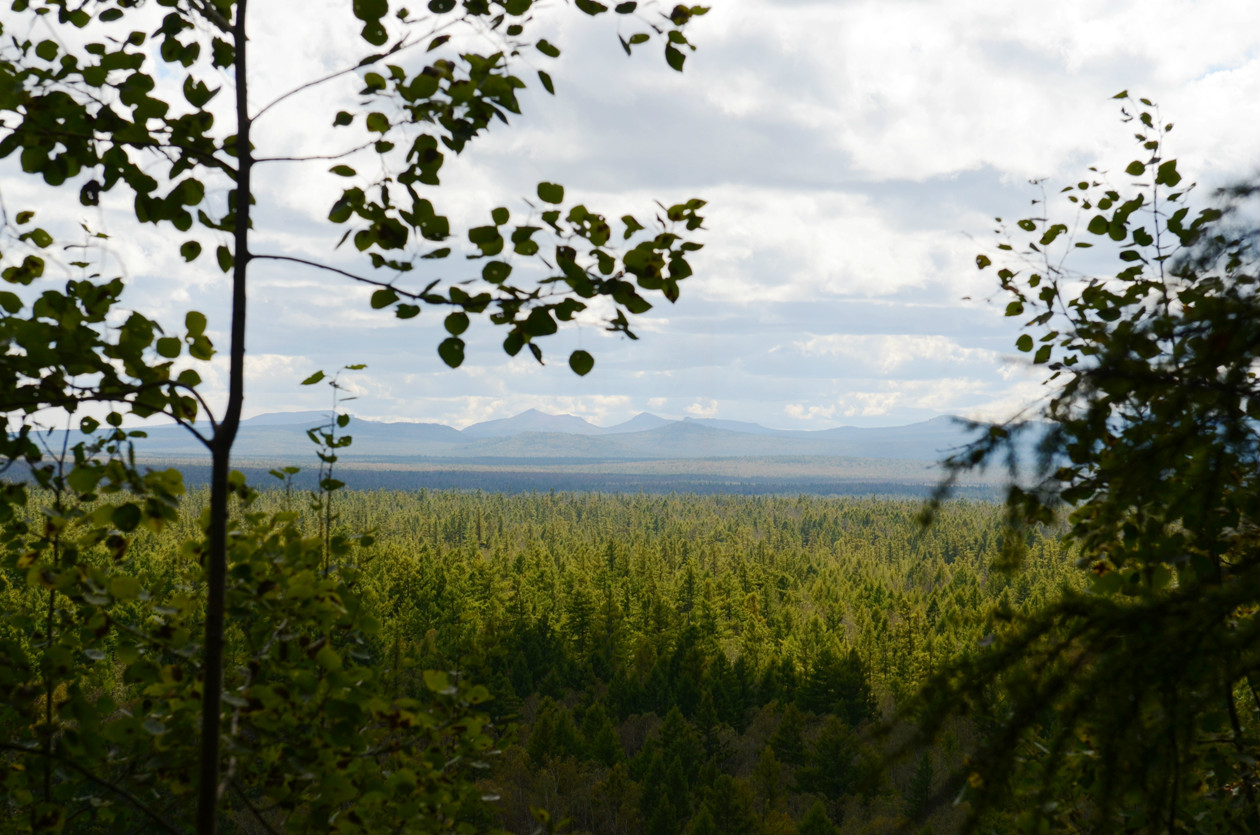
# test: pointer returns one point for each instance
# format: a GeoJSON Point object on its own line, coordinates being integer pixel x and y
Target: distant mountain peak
{"type": "Point", "coordinates": [532, 420]}
{"type": "Point", "coordinates": [742, 426]}
{"type": "Point", "coordinates": [288, 418]}
{"type": "Point", "coordinates": [641, 422]}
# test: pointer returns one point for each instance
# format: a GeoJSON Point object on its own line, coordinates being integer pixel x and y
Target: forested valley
{"type": "Point", "coordinates": [639, 663]}
{"type": "Point", "coordinates": [315, 660]}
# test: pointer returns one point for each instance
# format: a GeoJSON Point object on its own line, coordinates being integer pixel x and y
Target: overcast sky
{"type": "Point", "coordinates": [853, 155]}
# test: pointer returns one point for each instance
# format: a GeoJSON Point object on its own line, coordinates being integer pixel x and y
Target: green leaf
{"type": "Point", "coordinates": [451, 350]}
{"type": "Point", "coordinates": [547, 48]}
{"type": "Point", "coordinates": [199, 348]}
{"type": "Point", "coordinates": [377, 122]}
{"type": "Point", "coordinates": [125, 517]}
{"type": "Point", "coordinates": [551, 193]}
{"type": "Point", "coordinates": [456, 323]}
{"type": "Point", "coordinates": [1024, 343]}
{"type": "Point", "coordinates": [500, 216]}
{"type": "Point", "coordinates": [47, 50]}
{"type": "Point", "coordinates": [367, 10]}
{"type": "Point", "coordinates": [627, 7]}
{"type": "Point", "coordinates": [328, 658]}
{"type": "Point", "coordinates": [1166, 174]}
{"type": "Point", "coordinates": [224, 256]}
{"type": "Point", "coordinates": [342, 118]}
{"type": "Point", "coordinates": [673, 56]}
{"type": "Point", "coordinates": [1053, 232]}
{"type": "Point", "coordinates": [540, 323]}
{"type": "Point", "coordinates": [581, 362]}
{"type": "Point", "coordinates": [313, 379]}
{"type": "Point", "coordinates": [1135, 168]}
{"type": "Point", "coordinates": [383, 297]}
{"type": "Point", "coordinates": [487, 238]}
{"type": "Point", "coordinates": [124, 587]}
{"type": "Point", "coordinates": [169, 347]}
{"type": "Point", "coordinates": [195, 323]}
{"type": "Point", "coordinates": [439, 682]}
{"type": "Point", "coordinates": [343, 171]}
{"type": "Point", "coordinates": [197, 93]}
{"type": "Point", "coordinates": [1098, 225]}
{"type": "Point", "coordinates": [190, 250]}
{"type": "Point", "coordinates": [547, 83]}
{"type": "Point", "coordinates": [496, 272]}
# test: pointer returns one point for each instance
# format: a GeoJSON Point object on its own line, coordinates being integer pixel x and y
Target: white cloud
{"type": "Point", "coordinates": [888, 353]}
{"type": "Point", "coordinates": [703, 409]}
{"type": "Point", "coordinates": [800, 411]}
{"type": "Point", "coordinates": [852, 153]}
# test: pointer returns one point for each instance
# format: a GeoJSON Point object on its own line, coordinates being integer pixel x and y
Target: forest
{"type": "Point", "coordinates": [648, 663]}
{"type": "Point", "coordinates": [1082, 657]}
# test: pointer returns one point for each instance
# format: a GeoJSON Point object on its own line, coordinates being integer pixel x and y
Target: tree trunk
{"type": "Point", "coordinates": [221, 452]}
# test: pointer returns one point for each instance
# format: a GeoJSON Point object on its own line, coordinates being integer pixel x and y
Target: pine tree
{"type": "Point", "coordinates": [702, 822]}
{"type": "Point", "coordinates": [600, 739]}
{"type": "Point", "coordinates": [731, 800]}
{"type": "Point", "coordinates": [919, 792]}
{"type": "Point", "coordinates": [788, 741]}
{"type": "Point", "coordinates": [816, 822]}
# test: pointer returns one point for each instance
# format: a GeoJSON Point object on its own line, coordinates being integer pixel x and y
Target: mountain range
{"type": "Point", "coordinates": [537, 435]}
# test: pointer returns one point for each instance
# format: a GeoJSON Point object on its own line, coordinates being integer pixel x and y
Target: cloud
{"type": "Point", "coordinates": [888, 353]}
{"type": "Point", "coordinates": [703, 409]}
{"type": "Point", "coordinates": [853, 155]}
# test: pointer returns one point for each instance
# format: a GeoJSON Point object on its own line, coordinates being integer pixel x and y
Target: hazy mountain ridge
{"type": "Point", "coordinates": [534, 434]}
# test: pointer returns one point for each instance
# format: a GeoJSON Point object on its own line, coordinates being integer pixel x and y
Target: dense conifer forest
{"type": "Point", "coordinates": [654, 664]}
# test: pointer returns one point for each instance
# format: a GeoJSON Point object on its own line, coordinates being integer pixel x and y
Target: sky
{"type": "Point", "coordinates": [853, 156]}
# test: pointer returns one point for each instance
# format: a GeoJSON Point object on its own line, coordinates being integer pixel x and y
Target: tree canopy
{"type": "Point", "coordinates": [1141, 687]}
{"type": "Point", "coordinates": [87, 104]}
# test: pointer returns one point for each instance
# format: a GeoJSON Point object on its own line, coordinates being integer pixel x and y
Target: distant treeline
{"type": "Point", "coordinates": [509, 480]}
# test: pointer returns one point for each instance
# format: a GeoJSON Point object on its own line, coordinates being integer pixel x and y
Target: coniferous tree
{"type": "Point", "coordinates": [731, 801]}
{"type": "Point", "coordinates": [816, 822]}
{"type": "Point", "coordinates": [788, 742]}
{"type": "Point", "coordinates": [599, 736]}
